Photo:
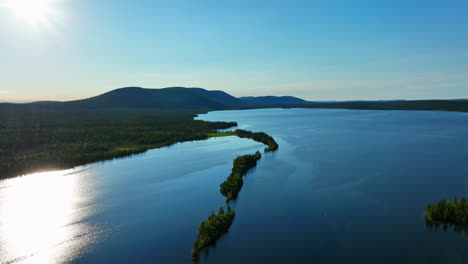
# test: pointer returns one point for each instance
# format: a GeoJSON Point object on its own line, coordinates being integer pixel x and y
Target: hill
{"type": "Point", "coordinates": [272, 100]}
{"type": "Point", "coordinates": [172, 98]}
{"type": "Point", "coordinates": [50, 135]}
{"type": "Point", "coordinates": [201, 100]}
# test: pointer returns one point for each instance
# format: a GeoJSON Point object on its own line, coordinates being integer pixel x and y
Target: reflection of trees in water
{"type": "Point", "coordinates": [438, 226]}
{"type": "Point", "coordinates": [448, 214]}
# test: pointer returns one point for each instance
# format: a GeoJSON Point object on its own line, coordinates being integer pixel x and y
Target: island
{"type": "Point", "coordinates": [449, 213]}
{"type": "Point", "coordinates": [212, 229]}
{"type": "Point", "coordinates": [232, 185]}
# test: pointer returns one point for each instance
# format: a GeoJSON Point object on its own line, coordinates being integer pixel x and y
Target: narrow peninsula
{"type": "Point", "coordinates": [259, 137]}
{"type": "Point", "coordinates": [211, 230]}
{"type": "Point", "coordinates": [232, 185]}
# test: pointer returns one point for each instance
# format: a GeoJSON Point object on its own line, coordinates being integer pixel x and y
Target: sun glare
{"type": "Point", "coordinates": [33, 11]}
{"type": "Point", "coordinates": [40, 222]}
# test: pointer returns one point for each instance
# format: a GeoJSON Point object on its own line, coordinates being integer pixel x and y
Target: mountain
{"type": "Point", "coordinates": [272, 100]}
{"type": "Point", "coordinates": [45, 102]}
{"type": "Point", "coordinates": [172, 98]}
{"type": "Point", "coordinates": [179, 98]}
{"type": "Point", "coordinates": [198, 99]}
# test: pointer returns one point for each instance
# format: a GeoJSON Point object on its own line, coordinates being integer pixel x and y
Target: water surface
{"type": "Point", "coordinates": [348, 186]}
{"type": "Point", "coordinates": [141, 209]}
{"type": "Point", "coordinates": [344, 186]}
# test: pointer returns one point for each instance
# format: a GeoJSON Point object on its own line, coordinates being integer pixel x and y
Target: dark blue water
{"type": "Point", "coordinates": [348, 186]}
{"type": "Point", "coordinates": [344, 186]}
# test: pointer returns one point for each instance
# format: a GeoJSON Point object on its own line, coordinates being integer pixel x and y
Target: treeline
{"type": "Point", "coordinates": [260, 137]}
{"type": "Point", "coordinates": [232, 185]}
{"type": "Point", "coordinates": [428, 105]}
{"type": "Point", "coordinates": [33, 140]}
{"type": "Point", "coordinates": [453, 213]}
{"type": "Point", "coordinates": [211, 230]}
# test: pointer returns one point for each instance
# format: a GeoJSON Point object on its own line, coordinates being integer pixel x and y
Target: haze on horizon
{"type": "Point", "coordinates": [316, 50]}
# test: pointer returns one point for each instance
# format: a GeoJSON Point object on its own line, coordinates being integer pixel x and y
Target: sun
{"type": "Point", "coordinates": [33, 11]}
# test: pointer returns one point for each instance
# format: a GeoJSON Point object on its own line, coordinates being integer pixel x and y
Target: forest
{"type": "Point", "coordinates": [449, 213]}
{"type": "Point", "coordinates": [211, 230]}
{"type": "Point", "coordinates": [259, 137]}
{"type": "Point", "coordinates": [35, 140]}
{"type": "Point", "coordinates": [232, 185]}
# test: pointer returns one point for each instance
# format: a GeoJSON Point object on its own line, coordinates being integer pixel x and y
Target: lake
{"type": "Point", "coordinates": [344, 186]}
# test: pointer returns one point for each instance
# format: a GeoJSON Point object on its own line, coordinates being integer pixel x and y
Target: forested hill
{"type": "Point", "coordinates": [51, 135]}
{"type": "Point", "coordinates": [198, 99]}
{"type": "Point", "coordinates": [272, 101]}
{"type": "Point", "coordinates": [173, 98]}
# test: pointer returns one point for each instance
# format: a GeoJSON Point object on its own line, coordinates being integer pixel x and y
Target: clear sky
{"type": "Point", "coordinates": [317, 50]}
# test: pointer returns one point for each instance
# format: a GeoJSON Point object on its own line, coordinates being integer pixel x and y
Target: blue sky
{"type": "Point", "coordinates": [317, 50]}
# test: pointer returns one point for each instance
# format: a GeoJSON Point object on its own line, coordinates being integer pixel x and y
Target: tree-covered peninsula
{"type": "Point", "coordinates": [211, 230]}
{"type": "Point", "coordinates": [232, 185]}
{"type": "Point", "coordinates": [259, 137]}
{"type": "Point", "coordinates": [32, 140]}
{"type": "Point", "coordinates": [452, 213]}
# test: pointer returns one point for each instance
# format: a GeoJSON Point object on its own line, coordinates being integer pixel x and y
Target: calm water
{"type": "Point", "coordinates": [344, 186]}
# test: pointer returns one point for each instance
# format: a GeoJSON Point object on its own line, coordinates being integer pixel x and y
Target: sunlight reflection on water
{"type": "Point", "coordinates": [41, 218]}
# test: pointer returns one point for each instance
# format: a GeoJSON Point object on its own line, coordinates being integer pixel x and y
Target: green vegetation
{"type": "Point", "coordinates": [57, 135]}
{"type": "Point", "coordinates": [449, 213]}
{"type": "Point", "coordinates": [232, 185]}
{"type": "Point", "coordinates": [222, 134]}
{"type": "Point", "coordinates": [260, 137]}
{"type": "Point", "coordinates": [36, 139]}
{"type": "Point", "coordinates": [211, 230]}
{"type": "Point", "coordinates": [197, 99]}
{"type": "Point", "coordinates": [426, 105]}
{"type": "Point", "coordinates": [216, 225]}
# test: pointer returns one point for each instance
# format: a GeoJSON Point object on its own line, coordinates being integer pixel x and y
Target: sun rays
{"type": "Point", "coordinates": [34, 12]}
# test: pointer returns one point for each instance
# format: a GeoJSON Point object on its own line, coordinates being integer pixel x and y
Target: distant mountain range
{"type": "Point", "coordinates": [181, 98]}
{"type": "Point", "coordinates": [172, 98]}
